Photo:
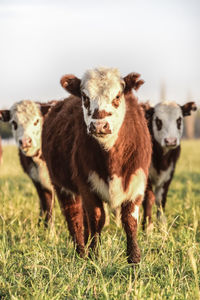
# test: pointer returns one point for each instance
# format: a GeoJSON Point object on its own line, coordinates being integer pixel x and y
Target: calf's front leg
{"type": "Point", "coordinates": [147, 204]}
{"type": "Point", "coordinates": [46, 203]}
{"type": "Point", "coordinates": [129, 215]}
{"type": "Point", "coordinates": [71, 205]}
{"type": "Point", "coordinates": [96, 217]}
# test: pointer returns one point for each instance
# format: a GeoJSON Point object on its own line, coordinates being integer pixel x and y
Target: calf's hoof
{"type": "Point", "coordinates": [161, 218]}
{"type": "Point", "coordinates": [134, 257]}
{"type": "Point", "coordinates": [81, 251]}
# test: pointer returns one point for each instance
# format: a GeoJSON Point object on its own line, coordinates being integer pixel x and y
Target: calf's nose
{"type": "Point", "coordinates": [170, 141]}
{"type": "Point", "coordinates": [99, 127]}
{"type": "Point", "coordinates": [25, 142]}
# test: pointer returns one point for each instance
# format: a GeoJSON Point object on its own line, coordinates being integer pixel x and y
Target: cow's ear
{"type": "Point", "coordinates": [45, 107]}
{"type": "Point", "coordinates": [188, 108]}
{"type": "Point", "coordinates": [72, 84]}
{"type": "Point", "coordinates": [132, 81]}
{"type": "Point", "coordinates": [148, 110]}
{"type": "Point", "coordinates": [5, 115]}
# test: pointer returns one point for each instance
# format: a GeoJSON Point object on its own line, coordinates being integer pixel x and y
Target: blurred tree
{"type": "Point", "coordinates": [197, 124]}
{"type": "Point", "coordinates": [5, 130]}
{"type": "Point", "coordinates": [189, 126]}
{"type": "Point", "coordinates": [190, 121]}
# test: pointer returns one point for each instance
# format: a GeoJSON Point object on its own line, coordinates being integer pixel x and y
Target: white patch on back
{"type": "Point", "coordinates": [39, 173]}
{"type": "Point", "coordinates": [113, 192]}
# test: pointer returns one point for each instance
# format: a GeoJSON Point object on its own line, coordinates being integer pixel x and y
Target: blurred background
{"type": "Point", "coordinates": [43, 40]}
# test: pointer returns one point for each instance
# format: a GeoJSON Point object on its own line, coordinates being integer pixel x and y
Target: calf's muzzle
{"type": "Point", "coordinates": [25, 142]}
{"type": "Point", "coordinates": [99, 127]}
{"type": "Point", "coordinates": [170, 142]}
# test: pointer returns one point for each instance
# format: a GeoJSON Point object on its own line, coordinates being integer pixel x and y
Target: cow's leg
{"type": "Point", "coordinates": [130, 215]}
{"type": "Point", "coordinates": [71, 205]}
{"type": "Point", "coordinates": [165, 191]}
{"type": "Point", "coordinates": [96, 217]}
{"type": "Point", "coordinates": [147, 203]}
{"type": "Point", "coordinates": [159, 196]}
{"type": "Point", "coordinates": [46, 202]}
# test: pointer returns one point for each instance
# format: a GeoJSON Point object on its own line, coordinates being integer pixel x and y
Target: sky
{"type": "Point", "coordinates": [42, 40]}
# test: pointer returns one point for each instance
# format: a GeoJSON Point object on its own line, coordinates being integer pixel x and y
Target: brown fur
{"type": "Point", "coordinates": [71, 154]}
{"type": "Point", "coordinates": [130, 227]}
{"type": "Point", "coordinates": [100, 114]}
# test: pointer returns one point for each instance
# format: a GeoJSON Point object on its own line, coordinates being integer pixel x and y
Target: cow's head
{"type": "Point", "coordinates": [102, 92]}
{"type": "Point", "coordinates": [167, 121]}
{"type": "Point", "coordinates": [26, 119]}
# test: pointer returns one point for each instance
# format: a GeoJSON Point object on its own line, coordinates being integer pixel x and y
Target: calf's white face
{"type": "Point", "coordinates": [103, 104]}
{"type": "Point", "coordinates": [167, 124]}
{"type": "Point", "coordinates": [102, 91]}
{"type": "Point", "coordinates": [26, 120]}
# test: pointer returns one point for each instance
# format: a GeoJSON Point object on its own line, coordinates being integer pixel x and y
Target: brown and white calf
{"type": "Point", "coordinates": [26, 118]}
{"type": "Point", "coordinates": [165, 122]}
{"type": "Point", "coordinates": [97, 148]}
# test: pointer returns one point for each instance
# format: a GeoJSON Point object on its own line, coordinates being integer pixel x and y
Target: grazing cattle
{"type": "Point", "coordinates": [165, 122]}
{"type": "Point", "coordinates": [97, 148]}
{"type": "Point", "coordinates": [26, 118]}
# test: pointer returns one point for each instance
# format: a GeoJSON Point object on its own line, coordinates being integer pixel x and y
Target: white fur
{"type": "Point", "coordinates": [168, 113]}
{"type": "Point", "coordinates": [158, 195]}
{"type": "Point", "coordinates": [39, 173]}
{"type": "Point", "coordinates": [113, 192]}
{"type": "Point", "coordinates": [135, 214]}
{"type": "Point", "coordinates": [102, 85]}
{"type": "Point", "coordinates": [25, 113]}
{"type": "Point", "coordinates": [158, 180]}
{"type": "Point", "coordinates": [67, 192]}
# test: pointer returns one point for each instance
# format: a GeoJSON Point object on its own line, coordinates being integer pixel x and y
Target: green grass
{"type": "Point", "coordinates": [41, 264]}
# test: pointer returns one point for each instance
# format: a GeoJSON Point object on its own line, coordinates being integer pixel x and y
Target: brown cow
{"type": "Point", "coordinates": [97, 148]}
{"type": "Point", "coordinates": [26, 118]}
{"type": "Point", "coordinates": [166, 128]}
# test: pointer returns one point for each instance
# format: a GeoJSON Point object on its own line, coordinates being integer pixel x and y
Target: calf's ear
{"type": "Point", "coordinates": [188, 108]}
{"type": "Point", "coordinates": [132, 81]}
{"type": "Point", "coordinates": [148, 110]}
{"type": "Point", "coordinates": [71, 84]}
{"type": "Point", "coordinates": [5, 115]}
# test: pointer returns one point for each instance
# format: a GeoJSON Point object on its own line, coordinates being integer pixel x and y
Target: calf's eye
{"type": "Point", "coordinates": [116, 101]}
{"type": "Point", "coordinates": [14, 124]}
{"type": "Point", "coordinates": [158, 123]}
{"type": "Point", "coordinates": [179, 122]}
{"type": "Point", "coordinates": [36, 122]}
{"type": "Point", "coordinates": [86, 101]}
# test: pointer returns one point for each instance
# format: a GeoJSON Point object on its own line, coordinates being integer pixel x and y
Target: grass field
{"type": "Point", "coordinates": [41, 264]}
